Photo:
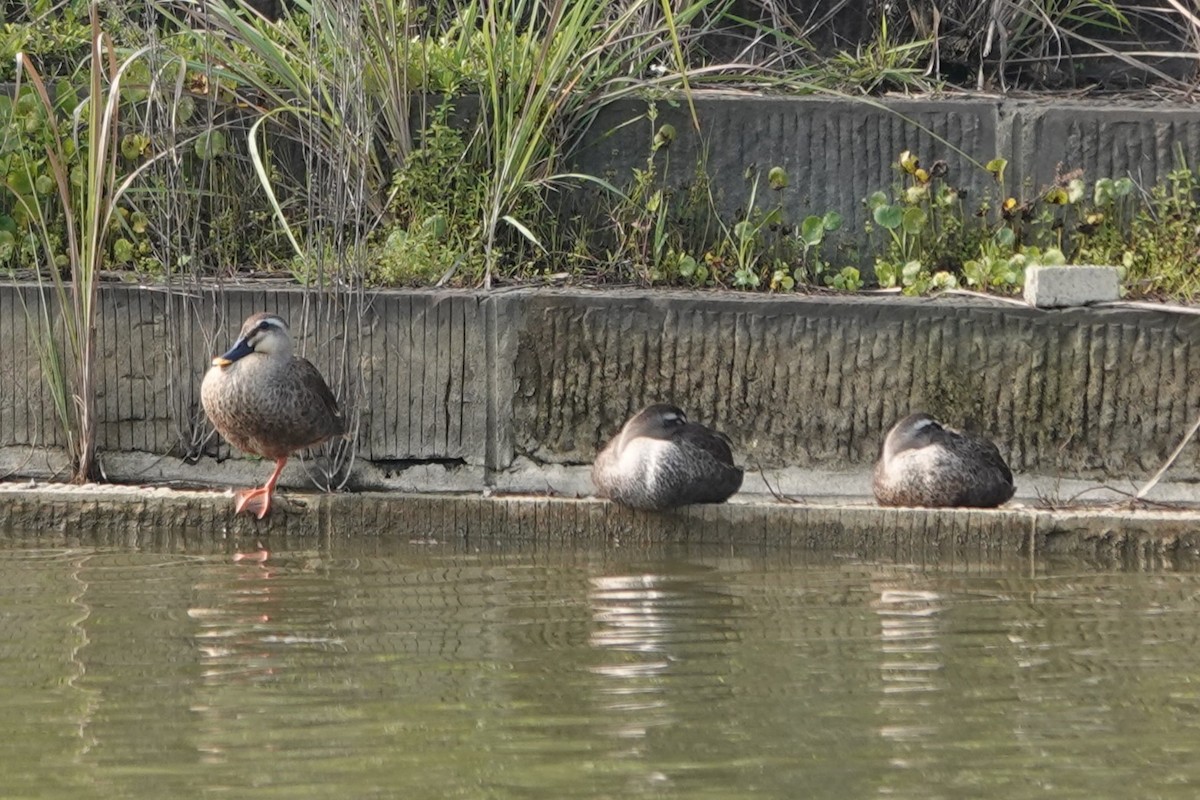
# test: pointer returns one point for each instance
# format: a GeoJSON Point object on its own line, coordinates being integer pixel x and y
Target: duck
{"type": "Point", "coordinates": [659, 461]}
{"type": "Point", "coordinates": [925, 463]}
{"type": "Point", "coordinates": [268, 402]}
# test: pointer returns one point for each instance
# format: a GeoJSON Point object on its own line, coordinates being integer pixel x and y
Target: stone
{"type": "Point", "coordinates": [1061, 287]}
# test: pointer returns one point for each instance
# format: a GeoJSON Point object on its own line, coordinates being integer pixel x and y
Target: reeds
{"type": "Point", "coordinates": [69, 291]}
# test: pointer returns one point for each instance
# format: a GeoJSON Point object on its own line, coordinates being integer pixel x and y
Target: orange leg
{"type": "Point", "coordinates": [258, 501]}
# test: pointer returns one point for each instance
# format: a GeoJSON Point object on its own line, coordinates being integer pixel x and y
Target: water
{"type": "Point", "coordinates": [419, 670]}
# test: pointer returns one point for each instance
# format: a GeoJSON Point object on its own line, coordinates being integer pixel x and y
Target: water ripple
{"type": "Point", "coordinates": [367, 669]}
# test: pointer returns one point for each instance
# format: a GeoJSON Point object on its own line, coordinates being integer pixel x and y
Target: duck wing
{"type": "Point", "coordinates": [991, 480]}
{"type": "Point", "coordinates": [319, 414]}
{"type": "Point", "coordinates": [698, 438]}
{"type": "Point", "coordinates": [990, 455]}
{"type": "Point", "coordinates": [704, 470]}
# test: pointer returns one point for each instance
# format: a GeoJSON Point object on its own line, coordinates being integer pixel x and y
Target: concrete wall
{"type": "Point", "coordinates": [473, 386]}
{"type": "Point", "coordinates": [837, 151]}
{"type": "Point", "coordinates": [816, 382]}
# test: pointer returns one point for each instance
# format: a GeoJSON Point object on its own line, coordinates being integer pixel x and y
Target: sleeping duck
{"type": "Point", "coordinates": [659, 461]}
{"type": "Point", "coordinates": [923, 463]}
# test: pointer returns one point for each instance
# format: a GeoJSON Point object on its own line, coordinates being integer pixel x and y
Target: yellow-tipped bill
{"type": "Point", "coordinates": [221, 361]}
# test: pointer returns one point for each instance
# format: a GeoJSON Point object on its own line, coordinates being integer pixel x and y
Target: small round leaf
{"type": "Point", "coordinates": [777, 178]}
{"type": "Point", "coordinates": [888, 216]}
{"type": "Point", "coordinates": [812, 230]}
{"type": "Point", "coordinates": [914, 219]}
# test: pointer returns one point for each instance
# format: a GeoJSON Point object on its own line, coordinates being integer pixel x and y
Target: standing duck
{"type": "Point", "coordinates": [925, 464]}
{"type": "Point", "coordinates": [268, 402]}
{"type": "Point", "coordinates": [659, 460]}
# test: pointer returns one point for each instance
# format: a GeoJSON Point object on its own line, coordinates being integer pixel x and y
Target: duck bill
{"type": "Point", "coordinates": [240, 349]}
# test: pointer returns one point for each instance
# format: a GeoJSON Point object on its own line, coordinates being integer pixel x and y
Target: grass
{"type": "Point", "coordinates": [546, 81]}
{"type": "Point", "coordinates": [347, 87]}
{"type": "Point", "coordinates": [88, 203]}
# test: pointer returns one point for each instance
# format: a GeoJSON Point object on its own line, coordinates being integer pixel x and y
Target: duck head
{"type": "Point", "coordinates": [912, 432]}
{"type": "Point", "coordinates": [262, 333]}
{"type": "Point", "coordinates": [656, 421]}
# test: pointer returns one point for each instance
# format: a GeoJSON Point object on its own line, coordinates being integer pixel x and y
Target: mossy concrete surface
{"type": "Point", "coordinates": [126, 516]}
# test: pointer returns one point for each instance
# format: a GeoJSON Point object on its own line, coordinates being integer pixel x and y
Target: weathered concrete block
{"type": "Point", "coordinates": [816, 382]}
{"type": "Point", "coordinates": [27, 410]}
{"type": "Point", "coordinates": [836, 151]}
{"type": "Point", "coordinates": [196, 521]}
{"type": "Point", "coordinates": [1102, 139]}
{"type": "Point", "coordinates": [410, 365]}
{"type": "Point", "coordinates": [413, 366]}
{"type": "Point", "coordinates": [1063, 286]}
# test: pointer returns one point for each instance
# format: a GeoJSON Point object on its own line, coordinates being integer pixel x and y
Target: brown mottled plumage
{"type": "Point", "coordinates": [659, 460]}
{"type": "Point", "coordinates": [266, 401]}
{"type": "Point", "coordinates": [923, 463]}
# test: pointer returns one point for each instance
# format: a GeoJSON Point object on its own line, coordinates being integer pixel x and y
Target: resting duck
{"type": "Point", "coordinates": [268, 402]}
{"type": "Point", "coordinates": [659, 461]}
{"type": "Point", "coordinates": [923, 463]}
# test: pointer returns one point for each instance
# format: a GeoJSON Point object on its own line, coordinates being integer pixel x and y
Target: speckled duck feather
{"type": "Point", "coordinates": [922, 463]}
{"type": "Point", "coordinates": [660, 461]}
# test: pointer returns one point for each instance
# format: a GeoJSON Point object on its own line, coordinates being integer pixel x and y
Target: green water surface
{"type": "Point", "coordinates": [433, 670]}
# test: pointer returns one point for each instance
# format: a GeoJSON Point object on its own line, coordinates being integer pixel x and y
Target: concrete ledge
{"type": "Point", "coordinates": [126, 516]}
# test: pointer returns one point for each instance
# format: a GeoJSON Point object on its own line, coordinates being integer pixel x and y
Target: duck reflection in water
{"type": "Point", "coordinates": [911, 705]}
{"type": "Point", "coordinates": [644, 628]}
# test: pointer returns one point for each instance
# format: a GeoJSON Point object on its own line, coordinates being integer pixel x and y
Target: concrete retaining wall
{"type": "Point", "coordinates": [468, 386]}
{"type": "Point", "coordinates": [837, 151]}
{"type": "Point", "coordinates": [816, 382]}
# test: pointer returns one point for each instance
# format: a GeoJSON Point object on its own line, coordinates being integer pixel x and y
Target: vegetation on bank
{"type": "Point", "coordinates": [306, 145]}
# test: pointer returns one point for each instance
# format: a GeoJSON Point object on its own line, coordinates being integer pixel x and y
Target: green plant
{"type": "Point", "coordinates": [51, 32]}
{"type": "Point", "coordinates": [847, 279]}
{"type": "Point", "coordinates": [812, 234]}
{"type": "Point", "coordinates": [759, 243]}
{"type": "Point", "coordinates": [746, 235]}
{"type": "Point", "coordinates": [882, 63]}
{"type": "Point", "coordinates": [1156, 243]}
{"type": "Point", "coordinates": [657, 230]}
{"type": "Point", "coordinates": [932, 236]}
{"type": "Point", "coordinates": [689, 268]}
{"type": "Point", "coordinates": [542, 70]}
{"type": "Point", "coordinates": [545, 79]}
{"type": "Point", "coordinates": [294, 74]}
{"type": "Point", "coordinates": [644, 233]}
{"type": "Point", "coordinates": [435, 206]}
{"type": "Point", "coordinates": [87, 195]}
